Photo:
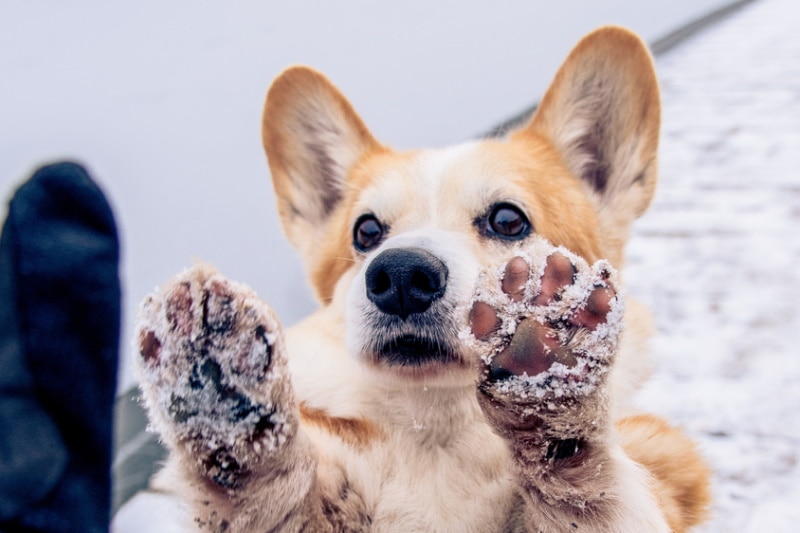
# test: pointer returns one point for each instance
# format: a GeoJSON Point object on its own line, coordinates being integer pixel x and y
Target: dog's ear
{"type": "Point", "coordinates": [312, 138]}
{"type": "Point", "coordinates": [602, 113]}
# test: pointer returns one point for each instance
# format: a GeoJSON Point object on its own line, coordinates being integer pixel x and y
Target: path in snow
{"type": "Point", "coordinates": [716, 259]}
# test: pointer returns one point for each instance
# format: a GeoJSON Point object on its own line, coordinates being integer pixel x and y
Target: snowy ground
{"type": "Point", "coordinates": [717, 255]}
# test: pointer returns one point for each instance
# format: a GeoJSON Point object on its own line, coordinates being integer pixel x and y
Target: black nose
{"type": "Point", "coordinates": [403, 281]}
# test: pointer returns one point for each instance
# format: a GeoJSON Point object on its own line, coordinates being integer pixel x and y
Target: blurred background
{"type": "Point", "coordinates": [162, 101]}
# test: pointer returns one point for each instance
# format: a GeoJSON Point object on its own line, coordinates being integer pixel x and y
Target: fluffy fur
{"type": "Point", "coordinates": [324, 429]}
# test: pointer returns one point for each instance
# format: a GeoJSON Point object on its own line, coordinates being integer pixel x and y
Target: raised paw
{"type": "Point", "coordinates": [547, 322]}
{"type": "Point", "coordinates": [213, 374]}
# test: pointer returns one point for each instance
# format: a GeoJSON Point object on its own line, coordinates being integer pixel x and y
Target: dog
{"type": "Point", "coordinates": [470, 366]}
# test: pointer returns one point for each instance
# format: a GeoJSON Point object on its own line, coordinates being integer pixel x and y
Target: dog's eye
{"type": "Point", "coordinates": [507, 222]}
{"type": "Point", "coordinates": [367, 233]}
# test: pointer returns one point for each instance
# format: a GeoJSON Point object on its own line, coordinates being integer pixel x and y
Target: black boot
{"type": "Point", "coordinates": [59, 341]}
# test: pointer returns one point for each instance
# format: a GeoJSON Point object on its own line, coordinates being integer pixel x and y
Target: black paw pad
{"type": "Point", "coordinates": [559, 450]}
{"type": "Point", "coordinates": [206, 373]}
{"type": "Point", "coordinates": [179, 409]}
{"type": "Point", "coordinates": [223, 469]}
{"type": "Point", "coordinates": [219, 311]}
{"type": "Point", "coordinates": [261, 336]}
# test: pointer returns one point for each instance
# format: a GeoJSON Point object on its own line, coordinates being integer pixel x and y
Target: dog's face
{"type": "Point", "coordinates": [396, 239]}
{"type": "Point", "coordinates": [424, 223]}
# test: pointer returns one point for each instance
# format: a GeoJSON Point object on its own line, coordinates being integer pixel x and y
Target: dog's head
{"type": "Point", "coordinates": [396, 239]}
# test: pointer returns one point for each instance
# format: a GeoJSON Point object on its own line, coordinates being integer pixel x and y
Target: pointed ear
{"type": "Point", "coordinates": [312, 138]}
{"type": "Point", "coordinates": [602, 112]}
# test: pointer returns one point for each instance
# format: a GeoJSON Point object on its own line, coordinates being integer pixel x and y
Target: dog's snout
{"type": "Point", "coordinates": [404, 281]}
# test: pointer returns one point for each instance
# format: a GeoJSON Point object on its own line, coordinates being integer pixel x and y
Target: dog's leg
{"type": "Point", "coordinates": [550, 324]}
{"type": "Point", "coordinates": [217, 386]}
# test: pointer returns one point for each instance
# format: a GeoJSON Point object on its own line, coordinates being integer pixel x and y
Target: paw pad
{"type": "Point", "coordinates": [546, 322]}
{"type": "Point", "coordinates": [212, 373]}
{"type": "Point", "coordinates": [564, 449]}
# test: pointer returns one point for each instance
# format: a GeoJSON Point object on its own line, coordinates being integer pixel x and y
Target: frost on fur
{"type": "Point", "coordinates": [546, 323]}
{"type": "Point", "coordinates": [213, 375]}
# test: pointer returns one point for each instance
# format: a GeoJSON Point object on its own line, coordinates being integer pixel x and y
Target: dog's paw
{"type": "Point", "coordinates": [213, 374]}
{"type": "Point", "coordinates": [547, 324]}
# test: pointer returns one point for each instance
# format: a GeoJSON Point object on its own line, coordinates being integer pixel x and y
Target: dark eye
{"type": "Point", "coordinates": [367, 233]}
{"type": "Point", "coordinates": [507, 222]}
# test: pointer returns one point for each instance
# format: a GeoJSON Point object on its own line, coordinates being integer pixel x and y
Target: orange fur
{"type": "Point", "coordinates": [559, 206]}
{"type": "Point", "coordinates": [335, 258]}
{"type": "Point", "coordinates": [287, 118]}
{"type": "Point", "coordinates": [354, 431]}
{"type": "Point", "coordinates": [560, 209]}
{"type": "Point", "coordinates": [585, 84]}
{"type": "Point", "coordinates": [583, 169]}
{"type": "Point", "coordinates": [682, 487]}
{"type": "Point", "coordinates": [357, 439]}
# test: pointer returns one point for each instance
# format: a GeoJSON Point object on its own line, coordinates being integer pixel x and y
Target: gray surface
{"type": "Point", "coordinates": [137, 453]}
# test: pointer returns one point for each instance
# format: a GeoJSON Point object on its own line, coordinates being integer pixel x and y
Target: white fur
{"type": "Point", "coordinates": [433, 462]}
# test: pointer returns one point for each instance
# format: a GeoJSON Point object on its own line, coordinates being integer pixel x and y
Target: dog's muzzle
{"type": "Point", "coordinates": [412, 324]}
{"type": "Point", "coordinates": [405, 281]}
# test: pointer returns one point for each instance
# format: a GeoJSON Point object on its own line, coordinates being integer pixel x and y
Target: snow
{"type": "Point", "coordinates": [185, 318]}
{"type": "Point", "coordinates": [716, 259]}
{"type": "Point", "coordinates": [136, 516]}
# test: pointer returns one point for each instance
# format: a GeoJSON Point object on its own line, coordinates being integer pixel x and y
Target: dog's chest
{"type": "Point", "coordinates": [438, 468]}
{"type": "Point", "coordinates": [464, 487]}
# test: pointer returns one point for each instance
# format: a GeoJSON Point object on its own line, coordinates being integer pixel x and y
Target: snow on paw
{"type": "Point", "coordinates": [213, 374]}
{"type": "Point", "coordinates": [547, 325]}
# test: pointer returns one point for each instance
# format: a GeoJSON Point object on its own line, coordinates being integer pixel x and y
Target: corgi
{"type": "Point", "coordinates": [471, 362]}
